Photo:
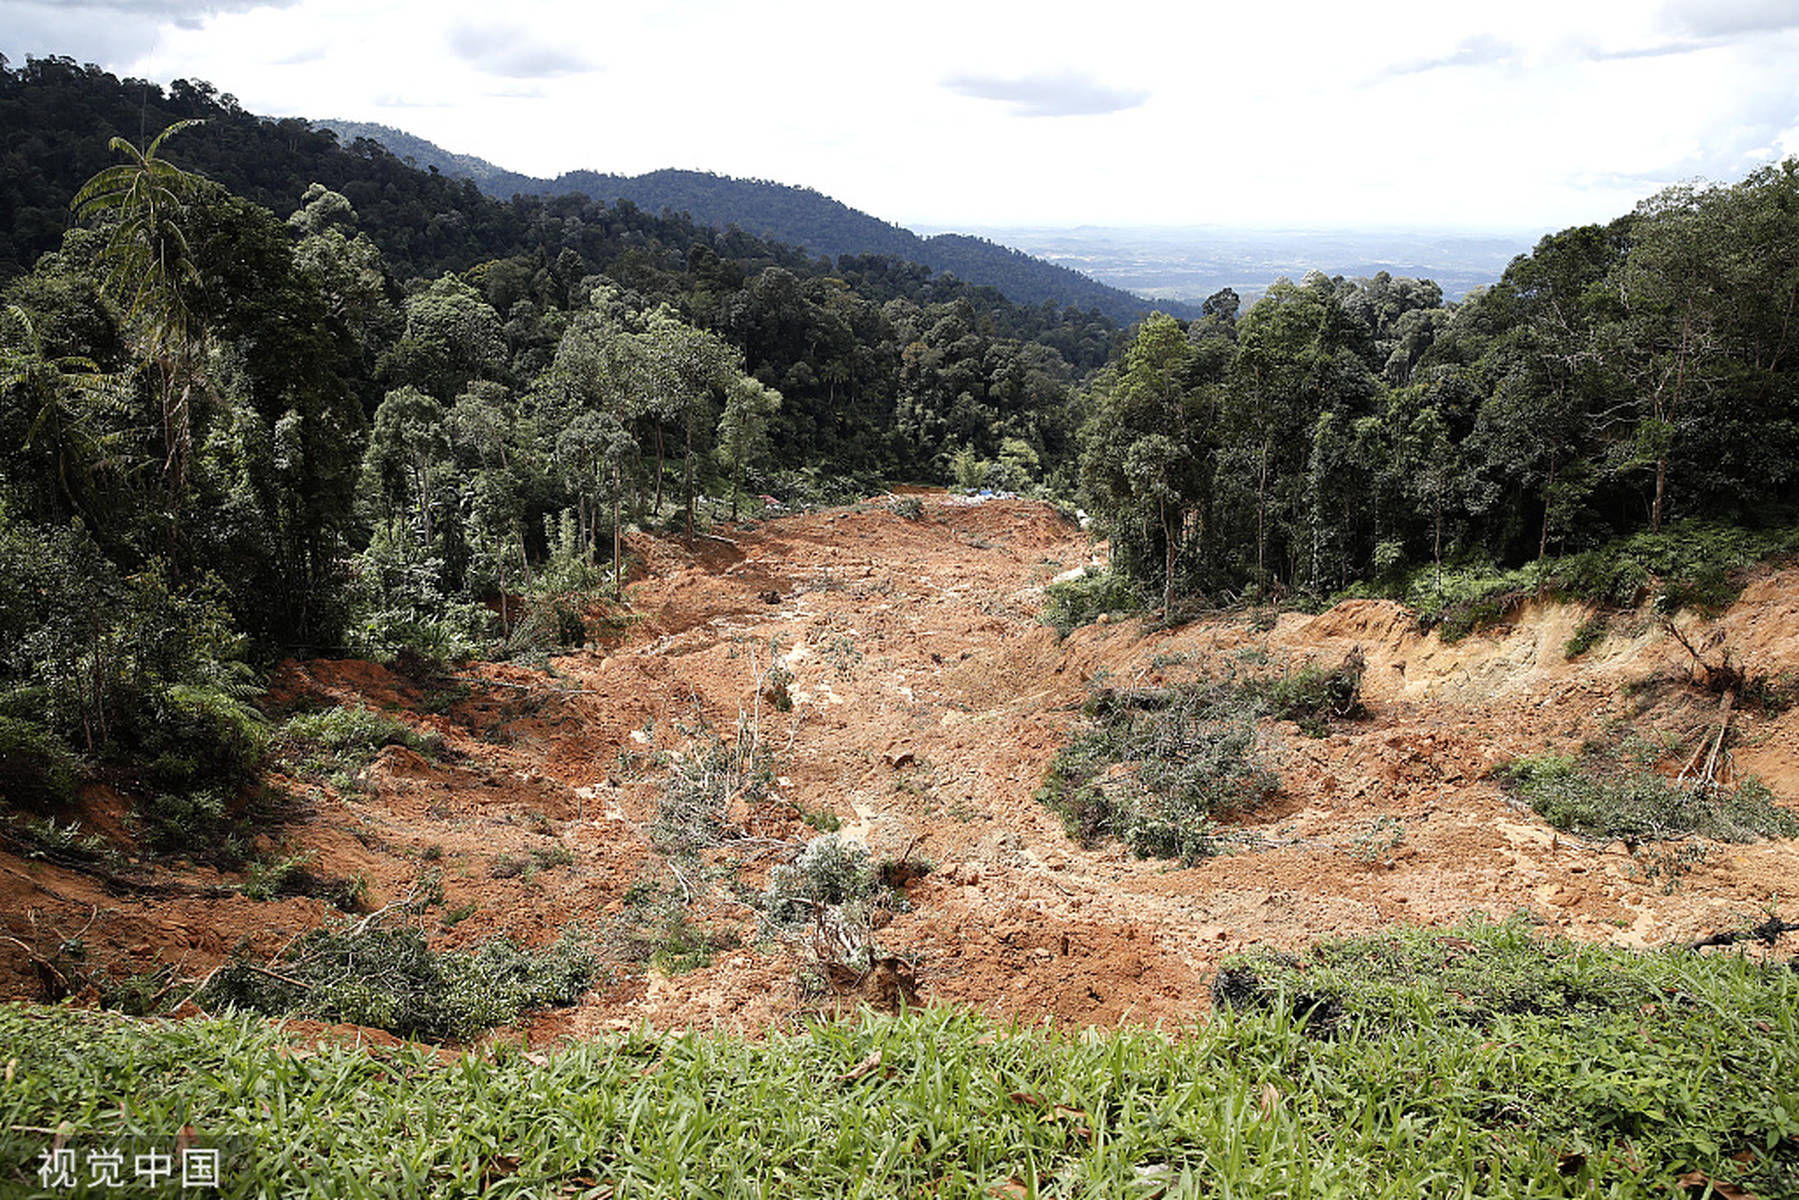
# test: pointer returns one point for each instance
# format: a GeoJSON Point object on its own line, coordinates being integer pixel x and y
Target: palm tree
{"type": "Point", "coordinates": [152, 273]}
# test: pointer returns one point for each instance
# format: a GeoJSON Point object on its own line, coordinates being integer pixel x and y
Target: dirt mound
{"type": "Point", "coordinates": [895, 674]}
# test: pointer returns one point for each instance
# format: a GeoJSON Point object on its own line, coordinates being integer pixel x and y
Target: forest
{"type": "Point", "coordinates": [263, 395]}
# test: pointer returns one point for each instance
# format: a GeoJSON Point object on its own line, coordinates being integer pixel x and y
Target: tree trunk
{"type": "Point", "coordinates": [1661, 491]}
{"type": "Point", "coordinates": [1548, 487]}
{"type": "Point", "coordinates": [618, 537]}
{"type": "Point", "coordinates": [1261, 511]}
{"type": "Point", "coordinates": [687, 461]}
{"type": "Point", "coordinates": [1168, 536]}
{"type": "Point", "coordinates": [656, 510]}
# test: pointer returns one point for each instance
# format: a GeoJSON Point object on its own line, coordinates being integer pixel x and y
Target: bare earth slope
{"type": "Point", "coordinates": [928, 701]}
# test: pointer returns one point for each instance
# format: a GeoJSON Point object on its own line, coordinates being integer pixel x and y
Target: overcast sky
{"type": "Point", "coordinates": [1526, 115]}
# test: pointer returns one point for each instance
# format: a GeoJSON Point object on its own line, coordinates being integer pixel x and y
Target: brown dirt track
{"type": "Point", "coordinates": [928, 701]}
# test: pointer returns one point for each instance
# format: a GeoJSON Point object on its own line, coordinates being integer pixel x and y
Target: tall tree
{"type": "Point", "coordinates": [152, 271]}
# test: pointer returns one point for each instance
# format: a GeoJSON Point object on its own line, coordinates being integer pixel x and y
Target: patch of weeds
{"type": "Point", "coordinates": [65, 843]}
{"type": "Point", "coordinates": [137, 993]}
{"type": "Point", "coordinates": [547, 857]}
{"type": "Point", "coordinates": [820, 819]}
{"type": "Point", "coordinates": [910, 508]}
{"type": "Point", "coordinates": [391, 979]}
{"type": "Point", "coordinates": [841, 653]}
{"type": "Point", "coordinates": [1588, 634]}
{"type": "Point", "coordinates": [1156, 767]}
{"type": "Point", "coordinates": [507, 866]}
{"type": "Point", "coordinates": [1170, 659]}
{"type": "Point", "coordinates": [267, 878]}
{"type": "Point", "coordinates": [1599, 796]}
{"type": "Point", "coordinates": [657, 928]}
{"type": "Point", "coordinates": [432, 853]}
{"type": "Point", "coordinates": [1377, 840]}
{"type": "Point", "coordinates": [440, 700]}
{"type": "Point", "coordinates": [775, 685]}
{"type": "Point", "coordinates": [1471, 975]}
{"type": "Point", "coordinates": [1668, 862]}
{"type": "Point", "coordinates": [1314, 696]}
{"type": "Point", "coordinates": [1075, 602]}
{"type": "Point", "coordinates": [456, 914]}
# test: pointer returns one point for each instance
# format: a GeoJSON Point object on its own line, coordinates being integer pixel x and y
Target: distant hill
{"type": "Point", "coordinates": [794, 215]}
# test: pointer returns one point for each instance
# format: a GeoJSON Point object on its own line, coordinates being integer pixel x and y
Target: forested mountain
{"type": "Point", "coordinates": [794, 215]}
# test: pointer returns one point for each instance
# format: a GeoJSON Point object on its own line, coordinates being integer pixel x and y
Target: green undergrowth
{"type": "Point", "coordinates": [337, 743]}
{"type": "Point", "coordinates": [389, 978]}
{"type": "Point", "coordinates": [1690, 564]}
{"type": "Point", "coordinates": [1603, 795]}
{"type": "Point", "coordinates": [1479, 1063]}
{"type": "Point", "coordinates": [1081, 601]}
{"type": "Point", "coordinates": [1157, 767]}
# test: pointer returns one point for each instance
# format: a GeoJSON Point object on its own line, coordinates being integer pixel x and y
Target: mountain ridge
{"type": "Point", "coordinates": [788, 213]}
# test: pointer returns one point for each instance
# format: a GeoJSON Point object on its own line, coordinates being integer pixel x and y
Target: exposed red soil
{"type": "Point", "coordinates": [928, 701]}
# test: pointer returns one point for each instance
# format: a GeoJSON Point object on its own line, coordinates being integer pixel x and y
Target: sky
{"type": "Point", "coordinates": [1320, 114]}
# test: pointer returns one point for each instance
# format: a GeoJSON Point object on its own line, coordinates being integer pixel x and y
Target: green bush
{"type": "Point", "coordinates": [1599, 796]}
{"type": "Point", "coordinates": [1156, 767]}
{"type": "Point", "coordinates": [201, 737]}
{"type": "Point", "coordinates": [36, 770]}
{"type": "Point", "coordinates": [831, 872]}
{"type": "Point", "coordinates": [1188, 755]}
{"type": "Point", "coordinates": [337, 742]}
{"type": "Point", "coordinates": [1314, 695]}
{"type": "Point", "coordinates": [1075, 602]}
{"type": "Point", "coordinates": [391, 979]}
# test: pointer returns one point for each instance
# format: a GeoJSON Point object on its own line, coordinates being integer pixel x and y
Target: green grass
{"type": "Point", "coordinates": [1640, 1070]}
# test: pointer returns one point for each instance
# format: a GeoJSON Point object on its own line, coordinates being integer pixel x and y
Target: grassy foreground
{"type": "Point", "coordinates": [1580, 1072]}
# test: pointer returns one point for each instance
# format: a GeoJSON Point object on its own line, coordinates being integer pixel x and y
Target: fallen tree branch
{"type": "Point", "coordinates": [1768, 932]}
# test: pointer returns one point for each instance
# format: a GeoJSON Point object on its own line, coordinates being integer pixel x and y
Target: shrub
{"type": "Point", "coordinates": [1156, 767]}
{"type": "Point", "coordinates": [1589, 634]}
{"type": "Point", "coordinates": [831, 872]}
{"type": "Point", "coordinates": [36, 769]}
{"type": "Point", "coordinates": [1314, 695]}
{"type": "Point", "coordinates": [1599, 796]}
{"type": "Point", "coordinates": [391, 979]}
{"type": "Point", "coordinates": [1075, 602]}
{"type": "Point", "coordinates": [1188, 754]}
{"type": "Point", "coordinates": [201, 737]}
{"type": "Point", "coordinates": [337, 742]}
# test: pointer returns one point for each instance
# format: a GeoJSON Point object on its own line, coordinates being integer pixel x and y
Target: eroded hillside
{"type": "Point", "coordinates": [897, 679]}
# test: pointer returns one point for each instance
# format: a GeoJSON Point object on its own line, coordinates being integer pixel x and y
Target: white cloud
{"type": "Point", "coordinates": [1310, 113]}
{"type": "Point", "coordinates": [1051, 94]}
